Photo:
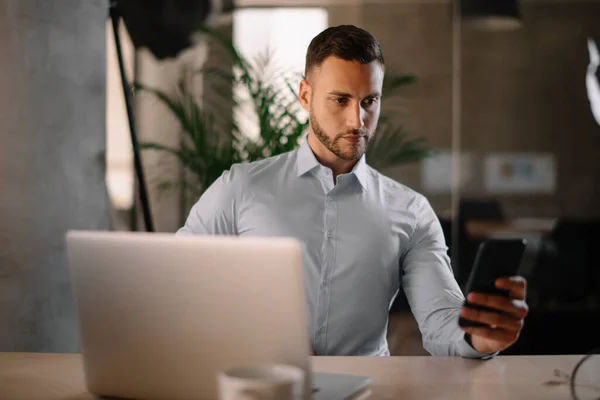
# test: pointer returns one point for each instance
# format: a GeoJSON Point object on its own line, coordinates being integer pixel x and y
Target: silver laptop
{"type": "Point", "coordinates": [160, 315]}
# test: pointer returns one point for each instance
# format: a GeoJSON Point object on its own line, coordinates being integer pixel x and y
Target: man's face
{"type": "Point", "coordinates": [343, 101]}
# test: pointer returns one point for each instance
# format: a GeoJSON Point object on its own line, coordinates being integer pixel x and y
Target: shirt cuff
{"type": "Point", "coordinates": [465, 350]}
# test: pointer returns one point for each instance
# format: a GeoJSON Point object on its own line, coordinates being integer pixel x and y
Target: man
{"type": "Point", "coordinates": [364, 234]}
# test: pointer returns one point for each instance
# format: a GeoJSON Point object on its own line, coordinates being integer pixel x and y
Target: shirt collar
{"type": "Point", "coordinates": [360, 171]}
{"type": "Point", "coordinates": [306, 161]}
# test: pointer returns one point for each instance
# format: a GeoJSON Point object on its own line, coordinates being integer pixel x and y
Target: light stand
{"type": "Point", "coordinates": [137, 162]}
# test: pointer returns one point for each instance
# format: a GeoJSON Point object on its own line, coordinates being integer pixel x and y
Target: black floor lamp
{"type": "Point", "coordinates": [165, 28]}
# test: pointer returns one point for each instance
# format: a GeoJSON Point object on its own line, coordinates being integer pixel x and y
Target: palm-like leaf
{"type": "Point", "coordinates": [392, 83]}
{"type": "Point", "coordinates": [199, 152]}
{"type": "Point", "coordinates": [393, 146]}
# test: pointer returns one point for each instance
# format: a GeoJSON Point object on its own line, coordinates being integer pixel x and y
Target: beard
{"type": "Point", "coordinates": [338, 146]}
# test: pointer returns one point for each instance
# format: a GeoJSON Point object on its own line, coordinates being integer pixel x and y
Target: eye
{"type": "Point", "coordinates": [369, 102]}
{"type": "Point", "coordinates": [341, 100]}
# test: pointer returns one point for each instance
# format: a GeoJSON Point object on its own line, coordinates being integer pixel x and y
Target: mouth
{"type": "Point", "coordinates": [354, 139]}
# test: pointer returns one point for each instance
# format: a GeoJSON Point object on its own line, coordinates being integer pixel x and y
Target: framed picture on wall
{"type": "Point", "coordinates": [519, 173]}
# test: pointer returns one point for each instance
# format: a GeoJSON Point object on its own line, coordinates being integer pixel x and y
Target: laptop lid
{"type": "Point", "coordinates": [159, 315]}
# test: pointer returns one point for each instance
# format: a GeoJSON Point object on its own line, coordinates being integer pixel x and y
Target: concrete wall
{"type": "Point", "coordinates": [521, 91]}
{"type": "Point", "coordinates": [52, 141]}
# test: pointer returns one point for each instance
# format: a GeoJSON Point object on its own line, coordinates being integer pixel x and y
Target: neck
{"type": "Point", "coordinates": [327, 158]}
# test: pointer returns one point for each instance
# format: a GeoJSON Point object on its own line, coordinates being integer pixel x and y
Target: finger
{"type": "Point", "coordinates": [491, 318]}
{"type": "Point", "coordinates": [500, 335]}
{"type": "Point", "coordinates": [516, 285]}
{"type": "Point", "coordinates": [513, 307]}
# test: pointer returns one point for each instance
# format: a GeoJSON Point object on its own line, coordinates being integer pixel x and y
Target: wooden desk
{"type": "Point", "coordinates": [482, 229]}
{"type": "Point", "coordinates": [33, 376]}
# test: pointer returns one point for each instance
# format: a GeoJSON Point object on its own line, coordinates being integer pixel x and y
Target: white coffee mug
{"type": "Point", "coordinates": [261, 382]}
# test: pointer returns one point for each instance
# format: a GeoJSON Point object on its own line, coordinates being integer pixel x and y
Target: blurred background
{"type": "Point", "coordinates": [491, 110]}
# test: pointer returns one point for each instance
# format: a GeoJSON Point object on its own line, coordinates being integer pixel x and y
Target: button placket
{"type": "Point", "coordinates": [327, 268]}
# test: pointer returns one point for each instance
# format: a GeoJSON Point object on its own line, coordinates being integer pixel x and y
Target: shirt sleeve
{"type": "Point", "coordinates": [431, 289]}
{"type": "Point", "coordinates": [215, 212]}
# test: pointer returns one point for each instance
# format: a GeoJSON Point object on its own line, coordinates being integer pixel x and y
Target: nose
{"type": "Point", "coordinates": [355, 117]}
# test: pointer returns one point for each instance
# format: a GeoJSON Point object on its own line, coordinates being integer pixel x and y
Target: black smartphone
{"type": "Point", "coordinates": [496, 258]}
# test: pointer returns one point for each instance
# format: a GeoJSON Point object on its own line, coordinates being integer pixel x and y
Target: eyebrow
{"type": "Point", "coordinates": [343, 94]}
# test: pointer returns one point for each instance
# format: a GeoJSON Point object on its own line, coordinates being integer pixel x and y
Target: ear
{"type": "Point", "coordinates": [304, 95]}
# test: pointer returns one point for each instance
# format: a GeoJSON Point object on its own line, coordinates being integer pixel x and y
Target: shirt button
{"type": "Point", "coordinates": [329, 235]}
{"type": "Point", "coordinates": [321, 330]}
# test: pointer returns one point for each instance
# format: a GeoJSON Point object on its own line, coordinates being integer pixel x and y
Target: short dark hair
{"type": "Point", "coordinates": [346, 42]}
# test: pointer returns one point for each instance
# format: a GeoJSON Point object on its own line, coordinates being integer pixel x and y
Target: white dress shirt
{"type": "Point", "coordinates": [363, 237]}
